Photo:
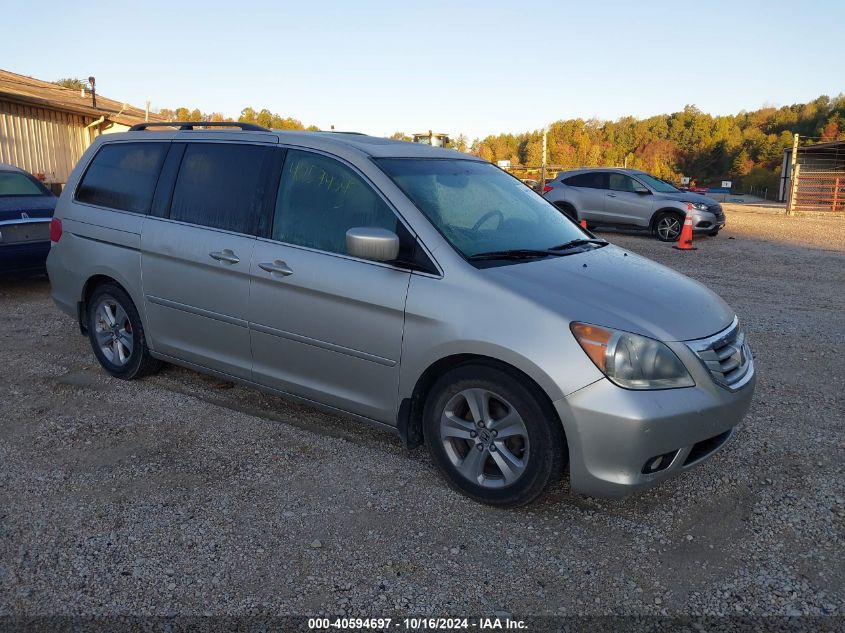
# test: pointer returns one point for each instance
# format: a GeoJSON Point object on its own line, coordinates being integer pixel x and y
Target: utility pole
{"type": "Point", "coordinates": [793, 190]}
{"type": "Point", "coordinates": [543, 164]}
{"type": "Point", "coordinates": [147, 111]}
{"type": "Point", "coordinates": [793, 176]}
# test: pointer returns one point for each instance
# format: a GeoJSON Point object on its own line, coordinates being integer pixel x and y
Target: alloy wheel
{"type": "Point", "coordinates": [669, 228]}
{"type": "Point", "coordinates": [113, 331]}
{"type": "Point", "coordinates": [485, 438]}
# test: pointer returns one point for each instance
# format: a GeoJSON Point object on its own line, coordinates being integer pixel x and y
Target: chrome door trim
{"type": "Point", "coordinates": [167, 303]}
{"type": "Point", "coordinates": [332, 347]}
{"type": "Point", "coordinates": [26, 221]}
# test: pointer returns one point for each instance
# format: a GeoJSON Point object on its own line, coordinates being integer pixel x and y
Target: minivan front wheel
{"type": "Point", "coordinates": [491, 437]}
{"type": "Point", "coordinates": [117, 335]}
{"type": "Point", "coordinates": [667, 226]}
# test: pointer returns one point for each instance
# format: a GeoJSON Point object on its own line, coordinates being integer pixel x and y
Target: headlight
{"type": "Point", "coordinates": [630, 360]}
{"type": "Point", "coordinates": [699, 206]}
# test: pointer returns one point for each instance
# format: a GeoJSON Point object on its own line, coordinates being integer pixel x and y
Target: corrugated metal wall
{"type": "Point", "coordinates": [41, 140]}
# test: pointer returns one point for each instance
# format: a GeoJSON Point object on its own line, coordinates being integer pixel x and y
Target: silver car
{"type": "Point", "coordinates": [632, 199]}
{"type": "Point", "coordinates": [412, 287]}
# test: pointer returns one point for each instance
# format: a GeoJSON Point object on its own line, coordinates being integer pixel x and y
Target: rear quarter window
{"type": "Point", "coordinates": [123, 176]}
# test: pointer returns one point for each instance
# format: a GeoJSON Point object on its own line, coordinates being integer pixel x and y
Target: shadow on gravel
{"type": "Point", "coordinates": [10, 285]}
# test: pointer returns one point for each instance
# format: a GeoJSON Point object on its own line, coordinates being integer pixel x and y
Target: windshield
{"type": "Point", "coordinates": [656, 184]}
{"type": "Point", "coordinates": [478, 207]}
{"type": "Point", "coordinates": [14, 183]}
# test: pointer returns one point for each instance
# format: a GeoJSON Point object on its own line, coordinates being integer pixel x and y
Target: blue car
{"type": "Point", "coordinates": [26, 209]}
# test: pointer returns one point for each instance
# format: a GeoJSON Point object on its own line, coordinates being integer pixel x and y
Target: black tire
{"type": "Point", "coordinates": [542, 451]}
{"type": "Point", "coordinates": [127, 329]}
{"type": "Point", "coordinates": [662, 220]}
{"type": "Point", "coordinates": [713, 233]}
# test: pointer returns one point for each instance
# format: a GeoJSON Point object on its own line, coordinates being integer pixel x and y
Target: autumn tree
{"type": "Point", "coordinates": [460, 143]}
{"type": "Point", "coordinates": [690, 142]}
{"type": "Point", "coordinates": [830, 132]}
{"type": "Point", "coordinates": [742, 164]}
{"type": "Point", "coordinates": [72, 82]}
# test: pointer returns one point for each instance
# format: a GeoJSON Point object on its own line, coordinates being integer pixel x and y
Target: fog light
{"type": "Point", "coordinates": [658, 463]}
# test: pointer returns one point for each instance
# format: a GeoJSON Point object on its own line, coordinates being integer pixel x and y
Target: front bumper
{"type": "Point", "coordinates": [614, 433]}
{"type": "Point", "coordinates": [706, 222]}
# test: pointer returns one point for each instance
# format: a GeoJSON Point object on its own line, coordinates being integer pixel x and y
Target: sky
{"type": "Point", "coordinates": [471, 67]}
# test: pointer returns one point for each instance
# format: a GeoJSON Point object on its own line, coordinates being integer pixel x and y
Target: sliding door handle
{"type": "Point", "coordinates": [226, 255]}
{"type": "Point", "coordinates": [276, 267]}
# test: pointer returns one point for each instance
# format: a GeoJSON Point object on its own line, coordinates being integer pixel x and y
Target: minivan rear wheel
{"type": "Point", "coordinates": [117, 335]}
{"type": "Point", "coordinates": [493, 439]}
{"type": "Point", "coordinates": [667, 226]}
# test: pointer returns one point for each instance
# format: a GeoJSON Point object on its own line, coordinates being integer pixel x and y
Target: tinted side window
{"type": "Point", "coordinates": [123, 176]}
{"type": "Point", "coordinates": [621, 182]}
{"type": "Point", "coordinates": [591, 179]}
{"type": "Point", "coordinates": [320, 199]}
{"type": "Point", "coordinates": [222, 186]}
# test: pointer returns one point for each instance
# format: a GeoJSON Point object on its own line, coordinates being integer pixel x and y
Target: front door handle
{"type": "Point", "coordinates": [226, 255]}
{"type": "Point", "coordinates": [277, 266]}
{"type": "Point", "coordinates": [611, 195]}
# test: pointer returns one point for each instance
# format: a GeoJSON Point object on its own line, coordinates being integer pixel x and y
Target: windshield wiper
{"type": "Point", "coordinates": [579, 242]}
{"type": "Point", "coordinates": [515, 253]}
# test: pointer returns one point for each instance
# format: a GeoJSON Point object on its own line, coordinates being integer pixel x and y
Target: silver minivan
{"type": "Point", "coordinates": [416, 288]}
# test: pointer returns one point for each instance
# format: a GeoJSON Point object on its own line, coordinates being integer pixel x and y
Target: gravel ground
{"type": "Point", "coordinates": [181, 494]}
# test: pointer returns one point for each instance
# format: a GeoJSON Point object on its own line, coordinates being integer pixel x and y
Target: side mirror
{"type": "Point", "coordinates": [378, 245]}
{"type": "Point", "coordinates": [642, 192]}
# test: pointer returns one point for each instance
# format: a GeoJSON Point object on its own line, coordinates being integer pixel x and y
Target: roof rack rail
{"type": "Point", "coordinates": [190, 125]}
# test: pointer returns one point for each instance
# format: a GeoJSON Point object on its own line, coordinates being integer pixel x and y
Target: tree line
{"type": "Point", "coordinates": [745, 147]}
{"type": "Point", "coordinates": [263, 117]}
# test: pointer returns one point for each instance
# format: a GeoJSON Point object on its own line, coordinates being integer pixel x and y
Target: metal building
{"type": "Point", "coordinates": [45, 128]}
{"type": "Point", "coordinates": [435, 139]}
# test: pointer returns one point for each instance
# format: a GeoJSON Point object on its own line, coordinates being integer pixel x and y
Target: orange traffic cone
{"type": "Point", "coordinates": [584, 224]}
{"type": "Point", "coordinates": [684, 242]}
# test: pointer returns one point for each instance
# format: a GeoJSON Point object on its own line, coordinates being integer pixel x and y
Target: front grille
{"type": "Point", "coordinates": [727, 356]}
{"type": "Point", "coordinates": [23, 232]}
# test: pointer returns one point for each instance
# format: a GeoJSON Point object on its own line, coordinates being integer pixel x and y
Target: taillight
{"type": "Point", "coordinates": [55, 230]}
{"type": "Point", "coordinates": [547, 189]}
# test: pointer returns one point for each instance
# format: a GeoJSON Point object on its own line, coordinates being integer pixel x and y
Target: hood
{"type": "Point", "coordinates": [621, 290]}
{"type": "Point", "coordinates": [11, 207]}
{"type": "Point", "coordinates": [686, 196]}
